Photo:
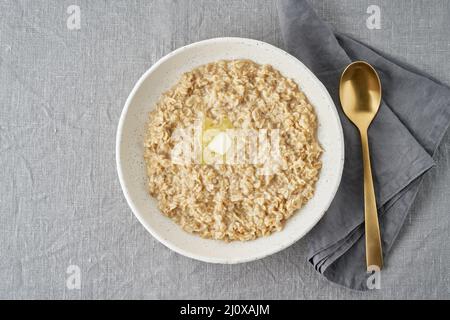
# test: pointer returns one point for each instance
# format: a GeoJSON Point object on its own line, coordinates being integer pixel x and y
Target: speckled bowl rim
{"type": "Point", "coordinates": [129, 197]}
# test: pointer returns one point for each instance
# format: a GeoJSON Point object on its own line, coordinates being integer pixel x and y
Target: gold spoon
{"type": "Point", "coordinates": [360, 94]}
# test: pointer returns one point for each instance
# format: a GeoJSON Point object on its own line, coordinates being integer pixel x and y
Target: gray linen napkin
{"type": "Point", "coordinates": [413, 117]}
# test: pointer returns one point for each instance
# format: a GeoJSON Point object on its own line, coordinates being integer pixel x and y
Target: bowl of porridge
{"type": "Point", "coordinates": [229, 150]}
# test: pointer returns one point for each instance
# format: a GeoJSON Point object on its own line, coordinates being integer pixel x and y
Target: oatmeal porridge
{"type": "Point", "coordinates": [229, 106]}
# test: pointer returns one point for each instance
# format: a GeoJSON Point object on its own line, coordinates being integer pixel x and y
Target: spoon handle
{"type": "Point", "coordinates": [374, 255]}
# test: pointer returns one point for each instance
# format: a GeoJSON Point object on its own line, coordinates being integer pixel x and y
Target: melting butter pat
{"type": "Point", "coordinates": [220, 144]}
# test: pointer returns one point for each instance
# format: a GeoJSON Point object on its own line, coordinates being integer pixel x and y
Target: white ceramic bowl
{"type": "Point", "coordinates": [129, 149]}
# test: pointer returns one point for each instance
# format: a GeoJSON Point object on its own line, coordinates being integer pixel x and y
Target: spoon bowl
{"type": "Point", "coordinates": [360, 93]}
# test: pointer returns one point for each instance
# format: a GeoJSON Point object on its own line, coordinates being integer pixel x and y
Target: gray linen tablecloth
{"type": "Point", "coordinates": [61, 94]}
